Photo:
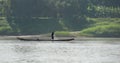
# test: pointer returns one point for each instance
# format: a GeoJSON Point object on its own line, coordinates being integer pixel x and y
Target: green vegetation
{"type": "Point", "coordinates": [4, 26]}
{"type": "Point", "coordinates": [89, 17]}
{"type": "Point", "coordinates": [63, 33]}
{"type": "Point", "coordinates": [103, 27]}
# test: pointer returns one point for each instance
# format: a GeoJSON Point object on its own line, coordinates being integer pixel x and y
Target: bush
{"type": "Point", "coordinates": [5, 30]}
{"type": "Point", "coordinates": [104, 30]}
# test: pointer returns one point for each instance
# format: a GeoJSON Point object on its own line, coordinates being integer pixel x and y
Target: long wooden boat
{"type": "Point", "coordinates": [30, 39]}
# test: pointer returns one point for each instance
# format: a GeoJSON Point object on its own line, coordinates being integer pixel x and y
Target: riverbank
{"type": "Point", "coordinates": [58, 34]}
{"type": "Point", "coordinates": [15, 37]}
{"type": "Point", "coordinates": [77, 38]}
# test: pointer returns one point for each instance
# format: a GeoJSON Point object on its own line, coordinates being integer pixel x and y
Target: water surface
{"type": "Point", "coordinates": [97, 50]}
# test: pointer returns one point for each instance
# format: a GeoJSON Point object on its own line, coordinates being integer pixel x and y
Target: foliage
{"type": "Point", "coordinates": [4, 27]}
{"type": "Point", "coordinates": [103, 27]}
{"type": "Point", "coordinates": [45, 16]}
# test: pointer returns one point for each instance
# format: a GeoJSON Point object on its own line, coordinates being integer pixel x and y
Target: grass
{"type": "Point", "coordinates": [105, 27]}
{"type": "Point", "coordinates": [63, 33]}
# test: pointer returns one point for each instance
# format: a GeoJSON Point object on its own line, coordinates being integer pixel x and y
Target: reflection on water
{"type": "Point", "coordinates": [23, 49]}
{"type": "Point", "coordinates": [85, 51]}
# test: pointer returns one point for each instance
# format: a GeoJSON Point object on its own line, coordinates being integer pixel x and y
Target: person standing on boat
{"type": "Point", "coordinates": [52, 35]}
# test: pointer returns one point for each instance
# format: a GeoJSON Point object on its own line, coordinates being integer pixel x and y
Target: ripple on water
{"type": "Point", "coordinates": [14, 51]}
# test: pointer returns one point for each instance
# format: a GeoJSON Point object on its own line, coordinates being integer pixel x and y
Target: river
{"type": "Point", "coordinates": [90, 50]}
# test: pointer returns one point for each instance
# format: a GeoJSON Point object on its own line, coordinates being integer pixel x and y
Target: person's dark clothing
{"type": "Point", "coordinates": [52, 35]}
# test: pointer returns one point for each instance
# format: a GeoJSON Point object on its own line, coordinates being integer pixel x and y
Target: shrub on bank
{"type": "Point", "coordinates": [104, 31]}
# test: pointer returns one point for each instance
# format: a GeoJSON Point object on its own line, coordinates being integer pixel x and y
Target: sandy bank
{"type": "Point", "coordinates": [24, 36]}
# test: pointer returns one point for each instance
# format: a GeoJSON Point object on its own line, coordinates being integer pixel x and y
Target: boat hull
{"type": "Point", "coordinates": [28, 39]}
